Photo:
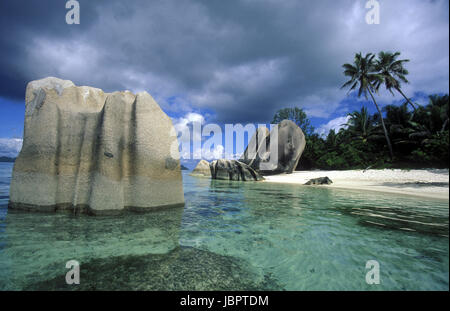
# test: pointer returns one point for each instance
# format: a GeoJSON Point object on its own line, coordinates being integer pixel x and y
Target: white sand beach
{"type": "Point", "coordinates": [430, 183]}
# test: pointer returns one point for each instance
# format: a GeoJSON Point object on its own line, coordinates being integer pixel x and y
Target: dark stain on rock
{"type": "Point", "coordinates": [108, 154]}
{"type": "Point", "coordinates": [171, 163]}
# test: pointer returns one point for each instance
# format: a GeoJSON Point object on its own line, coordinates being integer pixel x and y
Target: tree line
{"type": "Point", "coordinates": [405, 136]}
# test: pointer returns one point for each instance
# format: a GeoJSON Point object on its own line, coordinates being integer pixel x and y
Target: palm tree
{"type": "Point", "coordinates": [361, 125]}
{"type": "Point", "coordinates": [363, 73]}
{"type": "Point", "coordinates": [402, 130]}
{"type": "Point", "coordinates": [397, 115]}
{"type": "Point", "coordinates": [331, 141]}
{"type": "Point", "coordinates": [392, 71]}
{"type": "Point", "coordinates": [435, 115]}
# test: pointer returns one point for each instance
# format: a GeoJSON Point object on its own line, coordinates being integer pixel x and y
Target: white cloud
{"type": "Point", "coordinates": [10, 147]}
{"type": "Point", "coordinates": [335, 124]}
{"type": "Point", "coordinates": [242, 60]}
{"type": "Point", "coordinates": [184, 126]}
{"type": "Point", "coordinates": [218, 152]}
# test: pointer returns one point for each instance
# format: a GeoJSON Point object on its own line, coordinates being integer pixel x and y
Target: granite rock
{"type": "Point", "coordinates": [319, 181]}
{"type": "Point", "coordinates": [89, 151]}
{"type": "Point", "coordinates": [233, 170]}
{"type": "Point", "coordinates": [202, 169]}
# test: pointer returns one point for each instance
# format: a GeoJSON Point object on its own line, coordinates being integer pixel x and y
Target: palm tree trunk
{"type": "Point", "coordinates": [444, 126]}
{"type": "Point", "coordinates": [391, 153]}
{"type": "Point", "coordinates": [407, 99]}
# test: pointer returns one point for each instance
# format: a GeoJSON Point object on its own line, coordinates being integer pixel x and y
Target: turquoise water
{"type": "Point", "coordinates": [234, 235]}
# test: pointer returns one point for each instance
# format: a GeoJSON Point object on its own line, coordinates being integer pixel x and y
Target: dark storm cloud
{"type": "Point", "coordinates": [20, 23]}
{"type": "Point", "coordinates": [240, 59]}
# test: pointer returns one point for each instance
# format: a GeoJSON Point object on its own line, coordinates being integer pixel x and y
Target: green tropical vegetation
{"type": "Point", "coordinates": [392, 72]}
{"type": "Point", "coordinates": [404, 136]}
{"type": "Point", "coordinates": [364, 75]}
{"type": "Point", "coordinates": [297, 115]}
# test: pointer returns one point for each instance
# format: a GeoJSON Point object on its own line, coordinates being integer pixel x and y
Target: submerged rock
{"type": "Point", "coordinates": [233, 170]}
{"type": "Point", "coordinates": [184, 268]}
{"type": "Point", "coordinates": [94, 152]}
{"type": "Point", "coordinates": [319, 181]}
{"type": "Point", "coordinates": [202, 169]}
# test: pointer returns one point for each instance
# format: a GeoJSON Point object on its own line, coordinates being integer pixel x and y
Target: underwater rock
{"type": "Point", "coordinates": [53, 239]}
{"type": "Point", "coordinates": [233, 170]}
{"type": "Point", "coordinates": [202, 169]}
{"type": "Point", "coordinates": [319, 181]}
{"type": "Point", "coordinates": [95, 152]}
{"type": "Point", "coordinates": [184, 268]}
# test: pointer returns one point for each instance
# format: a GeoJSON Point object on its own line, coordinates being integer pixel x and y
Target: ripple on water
{"type": "Point", "coordinates": [236, 235]}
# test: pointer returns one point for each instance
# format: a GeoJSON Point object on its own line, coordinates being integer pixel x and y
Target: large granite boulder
{"type": "Point", "coordinates": [233, 170]}
{"type": "Point", "coordinates": [202, 169]}
{"type": "Point", "coordinates": [289, 141]}
{"type": "Point", "coordinates": [257, 148]}
{"type": "Point", "coordinates": [89, 151]}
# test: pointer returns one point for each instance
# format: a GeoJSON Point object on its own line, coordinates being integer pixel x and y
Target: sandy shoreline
{"type": "Point", "coordinates": [430, 183]}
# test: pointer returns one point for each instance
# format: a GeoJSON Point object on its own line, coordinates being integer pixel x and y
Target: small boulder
{"type": "Point", "coordinates": [202, 169]}
{"type": "Point", "coordinates": [319, 181]}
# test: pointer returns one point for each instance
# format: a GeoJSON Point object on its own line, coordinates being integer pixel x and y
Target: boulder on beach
{"type": "Point", "coordinates": [319, 181]}
{"type": "Point", "coordinates": [277, 152]}
{"type": "Point", "coordinates": [202, 169]}
{"type": "Point", "coordinates": [89, 151]}
{"type": "Point", "coordinates": [233, 170]}
{"type": "Point", "coordinates": [291, 143]}
{"type": "Point", "coordinates": [257, 148]}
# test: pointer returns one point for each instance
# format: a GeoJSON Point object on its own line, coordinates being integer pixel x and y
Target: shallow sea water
{"type": "Point", "coordinates": [234, 236]}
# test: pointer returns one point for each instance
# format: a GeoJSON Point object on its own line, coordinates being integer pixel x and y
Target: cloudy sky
{"type": "Point", "coordinates": [226, 61]}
